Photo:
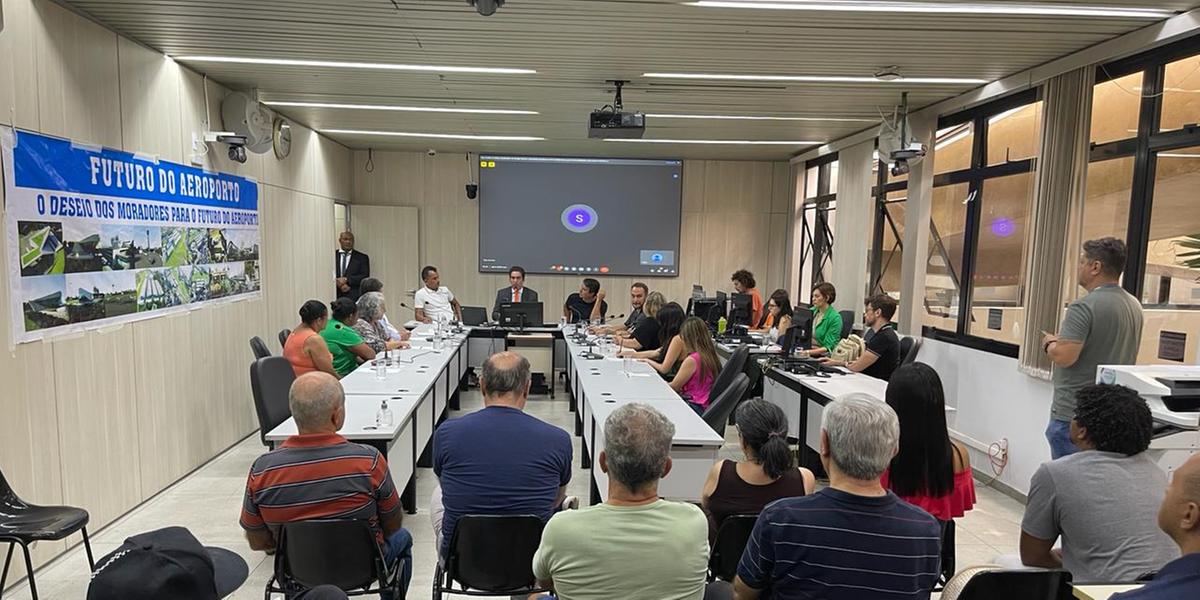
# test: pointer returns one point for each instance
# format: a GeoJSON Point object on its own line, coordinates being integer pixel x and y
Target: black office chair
{"type": "Point", "coordinates": [303, 560]}
{"type": "Point", "coordinates": [22, 524]}
{"type": "Point", "coordinates": [283, 336]}
{"type": "Point", "coordinates": [727, 549]}
{"type": "Point", "coordinates": [733, 366]}
{"type": "Point", "coordinates": [720, 407]}
{"type": "Point", "coordinates": [270, 381]}
{"type": "Point", "coordinates": [909, 346]}
{"type": "Point", "coordinates": [1007, 585]}
{"type": "Point", "coordinates": [490, 555]}
{"type": "Point", "coordinates": [947, 554]}
{"type": "Point", "coordinates": [847, 322]}
{"type": "Point", "coordinates": [259, 347]}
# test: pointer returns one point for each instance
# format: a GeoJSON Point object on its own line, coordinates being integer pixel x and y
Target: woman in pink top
{"type": "Point", "coordinates": [305, 348]}
{"type": "Point", "coordinates": [694, 380]}
{"type": "Point", "coordinates": [930, 470]}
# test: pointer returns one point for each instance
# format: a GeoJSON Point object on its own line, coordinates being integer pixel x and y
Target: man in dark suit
{"type": "Point", "coordinates": [352, 267]}
{"type": "Point", "coordinates": [516, 291]}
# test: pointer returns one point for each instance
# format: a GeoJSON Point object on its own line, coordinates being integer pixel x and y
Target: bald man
{"type": "Point", "coordinates": [351, 267]}
{"type": "Point", "coordinates": [318, 474]}
{"type": "Point", "coordinates": [1179, 517]}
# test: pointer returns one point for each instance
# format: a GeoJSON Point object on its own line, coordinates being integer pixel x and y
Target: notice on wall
{"type": "Point", "coordinates": [97, 237]}
{"type": "Point", "coordinates": [1172, 345]}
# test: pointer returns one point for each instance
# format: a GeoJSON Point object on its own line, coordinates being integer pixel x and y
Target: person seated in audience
{"type": "Point", "coordinates": [371, 313]}
{"type": "Point", "coordinates": [694, 379]}
{"type": "Point", "coordinates": [883, 344]}
{"type": "Point", "coordinates": [853, 539]}
{"type": "Point", "coordinates": [635, 544]}
{"type": "Point", "coordinates": [587, 304]}
{"type": "Point", "coordinates": [767, 473]}
{"type": "Point", "coordinates": [318, 474]}
{"type": "Point", "coordinates": [305, 348]}
{"type": "Point", "coordinates": [827, 321]}
{"type": "Point", "coordinates": [371, 284]}
{"type": "Point", "coordinates": [435, 301]}
{"type": "Point", "coordinates": [1103, 501]}
{"type": "Point", "coordinates": [645, 335]}
{"type": "Point", "coordinates": [346, 345]}
{"type": "Point", "coordinates": [498, 460]}
{"type": "Point", "coordinates": [743, 283]}
{"type": "Point", "coordinates": [931, 470]}
{"type": "Point", "coordinates": [516, 290]}
{"type": "Point", "coordinates": [637, 313]}
{"type": "Point", "coordinates": [670, 347]}
{"type": "Point", "coordinates": [777, 318]}
{"type": "Point", "coordinates": [1179, 517]}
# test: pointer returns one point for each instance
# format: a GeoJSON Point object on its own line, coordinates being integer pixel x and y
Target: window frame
{"type": "Point", "coordinates": [821, 246]}
{"type": "Point", "coordinates": [880, 192]}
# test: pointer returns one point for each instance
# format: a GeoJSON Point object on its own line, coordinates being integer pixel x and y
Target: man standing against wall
{"type": "Point", "coordinates": [352, 267]}
{"type": "Point", "coordinates": [1102, 328]}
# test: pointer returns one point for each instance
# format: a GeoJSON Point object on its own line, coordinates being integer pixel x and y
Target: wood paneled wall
{"type": "Point", "coordinates": [736, 214]}
{"type": "Point", "coordinates": [106, 419]}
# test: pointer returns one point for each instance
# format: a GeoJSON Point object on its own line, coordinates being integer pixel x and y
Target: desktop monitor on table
{"type": "Point", "coordinates": [741, 308]}
{"type": "Point", "coordinates": [802, 324]}
{"type": "Point", "coordinates": [521, 314]}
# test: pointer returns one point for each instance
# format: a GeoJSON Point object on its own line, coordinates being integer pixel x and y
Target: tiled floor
{"type": "Point", "coordinates": [208, 502]}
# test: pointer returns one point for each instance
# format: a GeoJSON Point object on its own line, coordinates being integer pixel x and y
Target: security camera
{"type": "Point", "coordinates": [900, 167]}
{"type": "Point", "coordinates": [486, 8]}
{"type": "Point", "coordinates": [472, 191]}
{"type": "Point", "coordinates": [431, 152]}
{"type": "Point", "coordinates": [237, 153]}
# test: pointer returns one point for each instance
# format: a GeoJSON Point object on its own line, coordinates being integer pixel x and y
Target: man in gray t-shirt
{"type": "Point", "coordinates": [1102, 328]}
{"type": "Point", "coordinates": [1103, 501]}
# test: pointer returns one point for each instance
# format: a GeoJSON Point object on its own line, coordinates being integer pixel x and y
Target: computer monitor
{"type": "Point", "coordinates": [741, 309]}
{"type": "Point", "coordinates": [521, 314]}
{"type": "Point", "coordinates": [697, 291]}
{"type": "Point", "coordinates": [708, 309]}
{"type": "Point", "coordinates": [802, 324]}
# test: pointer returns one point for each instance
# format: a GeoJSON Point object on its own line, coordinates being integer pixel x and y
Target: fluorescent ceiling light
{"type": "Point", "coordinates": [432, 109]}
{"type": "Point", "coordinates": [818, 78]}
{"type": "Point", "coordinates": [760, 118]}
{"type": "Point", "coordinates": [727, 142]}
{"type": "Point", "coordinates": [286, 62]}
{"type": "Point", "coordinates": [440, 136]}
{"type": "Point", "coordinates": [1056, 10]}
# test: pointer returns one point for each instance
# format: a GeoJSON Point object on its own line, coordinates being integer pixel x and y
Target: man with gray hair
{"type": "Point", "coordinates": [499, 460]}
{"type": "Point", "coordinates": [1102, 328]}
{"type": "Point", "coordinates": [853, 539]}
{"type": "Point", "coordinates": [635, 544]}
{"type": "Point", "coordinates": [318, 474]}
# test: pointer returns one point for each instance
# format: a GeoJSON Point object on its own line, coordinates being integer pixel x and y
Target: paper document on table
{"type": "Point", "coordinates": [638, 374]}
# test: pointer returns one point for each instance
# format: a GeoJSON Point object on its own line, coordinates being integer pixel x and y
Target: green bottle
{"type": "Point", "coordinates": [721, 324]}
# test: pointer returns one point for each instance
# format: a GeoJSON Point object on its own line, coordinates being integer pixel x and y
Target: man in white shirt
{"type": "Point", "coordinates": [433, 301]}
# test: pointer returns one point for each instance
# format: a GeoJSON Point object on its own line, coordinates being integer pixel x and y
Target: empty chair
{"type": "Point", "coordinates": [908, 349]}
{"type": "Point", "coordinates": [259, 347]}
{"type": "Point", "coordinates": [283, 336]}
{"type": "Point", "coordinates": [727, 548]}
{"type": "Point", "coordinates": [733, 366]}
{"type": "Point", "coordinates": [982, 583]}
{"type": "Point", "coordinates": [270, 380]}
{"type": "Point", "coordinates": [490, 555]}
{"type": "Point", "coordinates": [22, 524]}
{"type": "Point", "coordinates": [720, 407]}
{"type": "Point", "coordinates": [303, 561]}
{"type": "Point", "coordinates": [847, 322]}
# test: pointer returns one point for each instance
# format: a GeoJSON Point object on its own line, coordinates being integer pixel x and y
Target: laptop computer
{"type": "Point", "coordinates": [474, 315]}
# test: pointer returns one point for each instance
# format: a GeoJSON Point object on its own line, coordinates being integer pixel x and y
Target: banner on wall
{"type": "Point", "coordinates": [97, 237]}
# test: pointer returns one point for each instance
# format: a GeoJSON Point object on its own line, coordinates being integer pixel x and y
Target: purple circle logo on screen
{"type": "Point", "coordinates": [579, 218]}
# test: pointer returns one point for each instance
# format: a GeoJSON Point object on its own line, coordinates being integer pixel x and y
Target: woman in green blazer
{"type": "Point", "coordinates": [827, 321]}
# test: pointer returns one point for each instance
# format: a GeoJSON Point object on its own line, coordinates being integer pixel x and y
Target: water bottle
{"type": "Point", "coordinates": [721, 325]}
{"type": "Point", "coordinates": [383, 418]}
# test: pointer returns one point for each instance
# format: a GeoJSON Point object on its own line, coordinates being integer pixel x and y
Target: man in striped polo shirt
{"type": "Point", "coordinates": [318, 474]}
{"type": "Point", "coordinates": [853, 539]}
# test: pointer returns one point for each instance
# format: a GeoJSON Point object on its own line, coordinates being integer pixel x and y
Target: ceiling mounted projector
{"type": "Point", "coordinates": [612, 122]}
{"type": "Point", "coordinates": [486, 8]}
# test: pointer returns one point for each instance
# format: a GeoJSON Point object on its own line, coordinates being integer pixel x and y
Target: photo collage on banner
{"type": "Point", "coordinates": [98, 236]}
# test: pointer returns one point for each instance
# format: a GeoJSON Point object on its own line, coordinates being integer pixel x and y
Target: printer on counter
{"type": "Point", "coordinates": [1173, 394]}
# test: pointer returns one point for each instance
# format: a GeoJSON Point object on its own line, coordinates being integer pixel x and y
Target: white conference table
{"type": "Point", "coordinates": [419, 386]}
{"type": "Point", "coordinates": [803, 399]}
{"type": "Point", "coordinates": [600, 386]}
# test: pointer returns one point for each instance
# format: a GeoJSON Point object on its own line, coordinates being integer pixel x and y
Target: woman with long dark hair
{"type": "Point", "coordinates": [930, 470]}
{"type": "Point", "coordinates": [698, 371]}
{"type": "Point", "coordinates": [777, 317]}
{"type": "Point", "coordinates": [670, 352]}
{"type": "Point", "coordinates": [766, 474]}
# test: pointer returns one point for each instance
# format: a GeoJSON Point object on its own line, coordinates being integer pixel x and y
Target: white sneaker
{"type": "Point", "coordinates": [570, 503]}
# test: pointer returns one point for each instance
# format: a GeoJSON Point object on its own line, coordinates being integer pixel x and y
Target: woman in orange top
{"type": "Point", "coordinates": [305, 348]}
{"type": "Point", "coordinates": [743, 283]}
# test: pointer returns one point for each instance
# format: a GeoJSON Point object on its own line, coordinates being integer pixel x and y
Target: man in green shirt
{"type": "Point", "coordinates": [634, 545]}
{"type": "Point", "coordinates": [346, 345]}
{"type": "Point", "coordinates": [1102, 328]}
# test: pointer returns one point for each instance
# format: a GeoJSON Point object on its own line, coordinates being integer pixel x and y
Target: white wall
{"type": "Point", "coordinates": [106, 419]}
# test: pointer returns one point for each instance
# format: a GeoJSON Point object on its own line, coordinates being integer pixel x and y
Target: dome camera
{"type": "Point", "coordinates": [486, 8]}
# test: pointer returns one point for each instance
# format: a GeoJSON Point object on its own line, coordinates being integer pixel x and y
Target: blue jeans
{"type": "Point", "coordinates": [1058, 433]}
{"type": "Point", "coordinates": [398, 546]}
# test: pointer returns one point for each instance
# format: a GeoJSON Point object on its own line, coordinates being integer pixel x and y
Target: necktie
{"type": "Point", "coordinates": [517, 295]}
{"type": "Point", "coordinates": [345, 262]}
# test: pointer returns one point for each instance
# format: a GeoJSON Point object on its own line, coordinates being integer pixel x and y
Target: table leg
{"type": "Point", "coordinates": [408, 498]}
{"type": "Point", "coordinates": [585, 457]}
{"type": "Point", "coordinates": [595, 493]}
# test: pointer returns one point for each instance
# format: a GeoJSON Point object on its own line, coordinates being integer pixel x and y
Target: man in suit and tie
{"type": "Point", "coordinates": [352, 267]}
{"type": "Point", "coordinates": [516, 291]}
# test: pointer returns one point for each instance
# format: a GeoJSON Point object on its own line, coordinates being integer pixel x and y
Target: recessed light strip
{"type": "Point", "coordinates": [439, 136]}
{"type": "Point", "coordinates": [286, 62]}
{"type": "Point", "coordinates": [723, 142]}
{"type": "Point", "coordinates": [819, 78]}
{"type": "Point", "coordinates": [762, 118]}
{"type": "Point", "coordinates": [432, 109]}
{"type": "Point", "coordinates": [1054, 10]}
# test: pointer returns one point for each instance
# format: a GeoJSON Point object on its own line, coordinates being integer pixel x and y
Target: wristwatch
{"type": "Point", "coordinates": [1046, 346]}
